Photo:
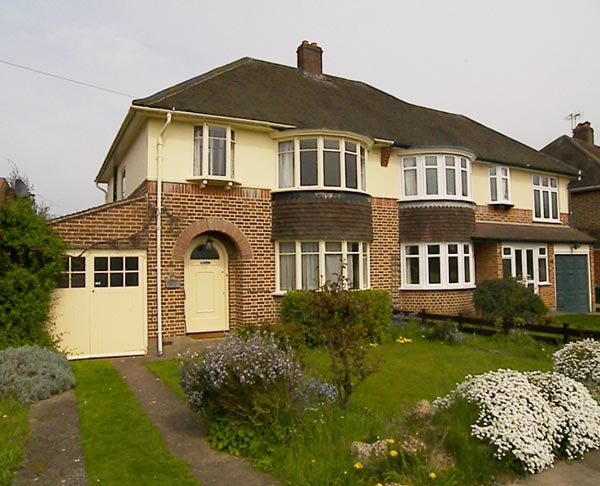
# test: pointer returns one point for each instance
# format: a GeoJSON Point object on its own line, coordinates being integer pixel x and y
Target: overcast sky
{"type": "Point", "coordinates": [517, 66]}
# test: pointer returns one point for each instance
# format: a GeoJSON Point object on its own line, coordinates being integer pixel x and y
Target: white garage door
{"type": "Point", "coordinates": [100, 307]}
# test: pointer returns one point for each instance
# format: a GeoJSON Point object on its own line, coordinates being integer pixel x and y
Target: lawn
{"type": "Point", "coordinates": [588, 322]}
{"type": "Point", "coordinates": [14, 429]}
{"type": "Point", "coordinates": [318, 453]}
{"type": "Point", "coordinates": [120, 443]}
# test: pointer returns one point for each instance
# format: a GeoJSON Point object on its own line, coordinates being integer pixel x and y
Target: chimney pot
{"type": "Point", "coordinates": [585, 132]}
{"type": "Point", "coordinates": [310, 58]}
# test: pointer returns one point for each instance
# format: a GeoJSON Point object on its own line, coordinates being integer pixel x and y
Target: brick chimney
{"type": "Point", "coordinates": [310, 58]}
{"type": "Point", "coordinates": [584, 131]}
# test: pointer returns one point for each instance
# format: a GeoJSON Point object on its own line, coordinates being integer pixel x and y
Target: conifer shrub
{"type": "Point", "coordinates": [32, 373]}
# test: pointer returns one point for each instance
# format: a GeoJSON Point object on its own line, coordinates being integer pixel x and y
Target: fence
{"type": "Point", "coordinates": [561, 332]}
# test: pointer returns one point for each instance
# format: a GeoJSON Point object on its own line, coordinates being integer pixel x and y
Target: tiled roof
{"type": "Point", "coordinates": [579, 154]}
{"type": "Point", "coordinates": [530, 233]}
{"type": "Point", "coordinates": [259, 90]}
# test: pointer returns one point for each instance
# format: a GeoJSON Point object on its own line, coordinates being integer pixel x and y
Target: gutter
{"type": "Point", "coordinates": [159, 158]}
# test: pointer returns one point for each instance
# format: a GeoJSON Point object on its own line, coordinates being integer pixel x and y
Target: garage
{"type": "Point", "coordinates": [100, 307]}
{"type": "Point", "coordinates": [572, 283]}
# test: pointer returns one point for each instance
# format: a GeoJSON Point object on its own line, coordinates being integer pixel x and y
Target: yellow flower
{"type": "Point", "coordinates": [379, 484]}
{"type": "Point", "coordinates": [313, 461]}
{"type": "Point", "coordinates": [393, 453]}
{"type": "Point", "coordinates": [432, 475]}
{"type": "Point", "coordinates": [390, 441]}
{"type": "Point", "coordinates": [358, 465]}
{"type": "Point", "coordinates": [373, 345]}
{"type": "Point", "coordinates": [4, 416]}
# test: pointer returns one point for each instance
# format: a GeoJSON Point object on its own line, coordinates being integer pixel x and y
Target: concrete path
{"type": "Point", "coordinates": [54, 427]}
{"type": "Point", "coordinates": [184, 431]}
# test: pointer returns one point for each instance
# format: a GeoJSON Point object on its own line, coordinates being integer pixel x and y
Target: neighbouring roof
{"type": "Point", "coordinates": [259, 90]}
{"type": "Point", "coordinates": [579, 154]}
{"type": "Point", "coordinates": [532, 233]}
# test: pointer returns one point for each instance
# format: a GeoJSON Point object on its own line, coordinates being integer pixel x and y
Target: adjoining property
{"type": "Point", "coordinates": [229, 189]}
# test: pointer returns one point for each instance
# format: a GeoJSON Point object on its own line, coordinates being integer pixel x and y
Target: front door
{"type": "Point", "coordinates": [206, 308]}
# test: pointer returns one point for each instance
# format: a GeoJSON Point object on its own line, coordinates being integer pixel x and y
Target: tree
{"type": "Point", "coordinates": [31, 261]}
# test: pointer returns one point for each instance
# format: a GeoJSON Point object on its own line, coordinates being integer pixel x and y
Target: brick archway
{"type": "Point", "coordinates": [211, 224]}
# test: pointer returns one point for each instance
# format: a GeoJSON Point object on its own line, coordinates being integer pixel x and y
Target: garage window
{"type": "Point", "coordinates": [73, 275]}
{"type": "Point", "coordinates": [116, 271]}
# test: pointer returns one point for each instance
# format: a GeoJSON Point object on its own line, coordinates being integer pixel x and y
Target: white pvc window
{"type": "Point", "coordinates": [499, 184]}
{"type": "Point", "coordinates": [545, 198]}
{"type": "Point", "coordinates": [214, 151]}
{"type": "Point", "coordinates": [437, 265]}
{"type": "Point", "coordinates": [436, 176]}
{"type": "Point", "coordinates": [321, 162]}
{"type": "Point", "coordinates": [526, 263]}
{"type": "Point", "coordinates": [310, 264]}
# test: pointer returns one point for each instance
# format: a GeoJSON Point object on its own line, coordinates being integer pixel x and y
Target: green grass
{"type": "Point", "coordinates": [168, 372]}
{"type": "Point", "coordinates": [588, 322]}
{"type": "Point", "coordinates": [121, 445]}
{"type": "Point", "coordinates": [14, 429]}
{"type": "Point", "coordinates": [318, 452]}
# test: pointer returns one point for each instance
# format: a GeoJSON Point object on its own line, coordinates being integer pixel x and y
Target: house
{"type": "Point", "coordinates": [4, 189]}
{"type": "Point", "coordinates": [580, 152]}
{"type": "Point", "coordinates": [229, 189]}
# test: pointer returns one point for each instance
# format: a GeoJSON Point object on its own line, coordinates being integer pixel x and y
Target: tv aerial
{"type": "Point", "coordinates": [573, 117]}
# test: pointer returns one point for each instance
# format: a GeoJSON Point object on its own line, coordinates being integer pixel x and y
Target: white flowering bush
{"type": "Point", "coordinates": [530, 417]}
{"type": "Point", "coordinates": [250, 379]}
{"type": "Point", "coordinates": [579, 360]}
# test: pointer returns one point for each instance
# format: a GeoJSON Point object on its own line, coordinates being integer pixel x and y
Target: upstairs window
{"type": "Point", "coordinates": [545, 199]}
{"type": "Point", "coordinates": [214, 151]}
{"type": "Point", "coordinates": [499, 185]}
{"type": "Point", "coordinates": [436, 176]}
{"type": "Point", "coordinates": [123, 182]}
{"type": "Point", "coordinates": [321, 162]}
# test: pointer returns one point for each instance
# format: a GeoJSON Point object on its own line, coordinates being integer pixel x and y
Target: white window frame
{"type": "Point", "coordinates": [122, 182]}
{"type": "Point", "coordinates": [464, 252]}
{"type": "Point", "coordinates": [512, 252]}
{"type": "Point", "coordinates": [343, 150]}
{"type": "Point", "coordinates": [499, 175]}
{"type": "Point", "coordinates": [545, 190]}
{"type": "Point", "coordinates": [363, 262]}
{"type": "Point", "coordinates": [201, 167]}
{"type": "Point", "coordinates": [442, 165]}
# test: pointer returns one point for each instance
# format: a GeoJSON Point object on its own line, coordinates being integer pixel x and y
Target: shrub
{"type": "Point", "coordinates": [250, 380]}
{"type": "Point", "coordinates": [30, 264]}
{"type": "Point", "coordinates": [31, 373]}
{"type": "Point", "coordinates": [507, 299]}
{"type": "Point", "coordinates": [579, 360]}
{"type": "Point", "coordinates": [299, 314]}
{"type": "Point", "coordinates": [446, 331]}
{"type": "Point", "coordinates": [531, 417]}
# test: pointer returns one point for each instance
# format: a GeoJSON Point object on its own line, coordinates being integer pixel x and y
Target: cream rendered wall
{"type": "Point", "coordinates": [135, 161]}
{"type": "Point", "coordinates": [383, 181]}
{"type": "Point", "coordinates": [255, 154]}
{"type": "Point", "coordinates": [521, 187]}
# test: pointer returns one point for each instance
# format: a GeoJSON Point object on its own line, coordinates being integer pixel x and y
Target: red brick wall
{"type": "Point", "coordinates": [494, 214]}
{"type": "Point", "coordinates": [488, 261]}
{"type": "Point", "coordinates": [385, 249]}
{"type": "Point", "coordinates": [449, 302]}
{"type": "Point", "coordinates": [585, 208]}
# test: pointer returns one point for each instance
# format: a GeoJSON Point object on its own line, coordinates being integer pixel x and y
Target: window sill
{"type": "Point", "coordinates": [442, 288]}
{"type": "Point", "coordinates": [320, 189]}
{"type": "Point", "coordinates": [501, 204]}
{"type": "Point", "coordinates": [205, 181]}
{"type": "Point", "coordinates": [547, 221]}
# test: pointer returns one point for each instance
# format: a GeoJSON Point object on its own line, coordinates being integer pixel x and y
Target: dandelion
{"type": "Point", "coordinates": [373, 345]}
{"type": "Point", "coordinates": [313, 461]}
{"type": "Point", "coordinates": [432, 475]}
{"type": "Point", "coordinates": [393, 453]}
{"type": "Point", "coordinates": [4, 416]}
{"type": "Point", "coordinates": [390, 441]}
{"type": "Point", "coordinates": [358, 465]}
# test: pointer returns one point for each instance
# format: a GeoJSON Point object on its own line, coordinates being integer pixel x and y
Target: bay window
{"type": "Point", "coordinates": [545, 198]}
{"type": "Point", "coordinates": [437, 265]}
{"type": "Point", "coordinates": [308, 265]}
{"type": "Point", "coordinates": [322, 162]}
{"type": "Point", "coordinates": [436, 176]}
{"type": "Point", "coordinates": [214, 151]}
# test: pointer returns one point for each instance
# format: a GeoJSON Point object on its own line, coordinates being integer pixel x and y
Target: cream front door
{"type": "Point", "coordinates": [206, 300]}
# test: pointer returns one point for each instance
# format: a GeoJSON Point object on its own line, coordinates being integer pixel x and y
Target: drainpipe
{"type": "Point", "coordinates": [159, 157]}
{"type": "Point", "coordinates": [103, 190]}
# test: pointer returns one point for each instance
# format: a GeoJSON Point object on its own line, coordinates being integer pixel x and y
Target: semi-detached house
{"type": "Point", "coordinates": [230, 189]}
